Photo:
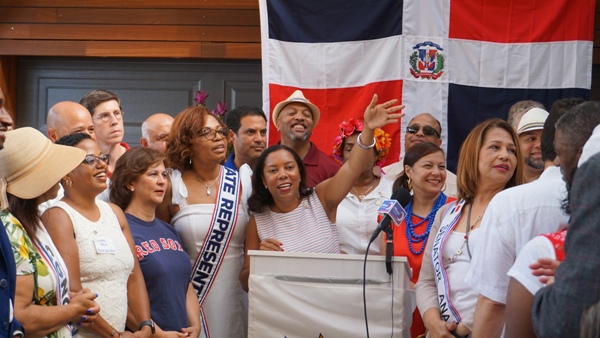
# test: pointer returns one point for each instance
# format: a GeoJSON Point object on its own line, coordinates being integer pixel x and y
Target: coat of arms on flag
{"type": "Point", "coordinates": [460, 61]}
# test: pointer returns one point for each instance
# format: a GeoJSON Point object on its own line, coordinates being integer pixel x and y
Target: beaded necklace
{"type": "Point", "coordinates": [410, 227]}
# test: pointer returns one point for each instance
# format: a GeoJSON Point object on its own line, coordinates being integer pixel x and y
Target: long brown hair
{"type": "Point", "coordinates": [467, 172]}
{"type": "Point", "coordinates": [26, 211]}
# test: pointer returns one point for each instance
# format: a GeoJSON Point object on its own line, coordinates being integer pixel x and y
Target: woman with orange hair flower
{"type": "Point", "coordinates": [357, 213]}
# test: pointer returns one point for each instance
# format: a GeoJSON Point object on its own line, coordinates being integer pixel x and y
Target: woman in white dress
{"type": "Point", "coordinates": [206, 199]}
{"type": "Point", "coordinates": [357, 213]}
{"type": "Point", "coordinates": [94, 239]}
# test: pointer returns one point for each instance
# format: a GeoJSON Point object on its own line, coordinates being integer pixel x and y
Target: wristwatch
{"type": "Point", "coordinates": [147, 323]}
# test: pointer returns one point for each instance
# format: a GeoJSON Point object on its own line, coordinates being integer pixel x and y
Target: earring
{"type": "Point", "coordinates": [190, 161]}
{"type": "Point", "coordinates": [69, 182]}
{"type": "Point", "coordinates": [444, 187]}
{"type": "Point", "coordinates": [132, 189]}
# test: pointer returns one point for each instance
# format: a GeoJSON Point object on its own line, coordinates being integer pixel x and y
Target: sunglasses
{"type": "Point", "coordinates": [92, 160]}
{"type": "Point", "coordinates": [427, 130]}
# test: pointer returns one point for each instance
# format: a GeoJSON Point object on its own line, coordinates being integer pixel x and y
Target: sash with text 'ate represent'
{"type": "Point", "coordinates": [449, 220]}
{"type": "Point", "coordinates": [217, 238]}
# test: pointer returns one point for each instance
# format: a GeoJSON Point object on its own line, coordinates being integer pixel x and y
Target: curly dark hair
{"type": "Point", "coordinates": [261, 198]}
{"type": "Point", "coordinates": [185, 127]}
{"type": "Point", "coordinates": [73, 139]}
{"type": "Point", "coordinates": [129, 168]}
{"type": "Point", "coordinates": [233, 118]}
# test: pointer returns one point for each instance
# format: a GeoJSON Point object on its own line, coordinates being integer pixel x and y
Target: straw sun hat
{"type": "Point", "coordinates": [30, 164]}
{"type": "Point", "coordinates": [297, 96]}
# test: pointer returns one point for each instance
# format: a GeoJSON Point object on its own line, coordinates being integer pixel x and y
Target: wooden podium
{"type": "Point", "coordinates": [320, 295]}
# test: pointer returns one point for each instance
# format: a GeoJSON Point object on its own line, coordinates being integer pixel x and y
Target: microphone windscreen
{"type": "Point", "coordinates": [402, 195]}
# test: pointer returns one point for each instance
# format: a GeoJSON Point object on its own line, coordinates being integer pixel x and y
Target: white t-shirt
{"type": "Point", "coordinates": [357, 220]}
{"type": "Point", "coordinates": [591, 147]}
{"type": "Point", "coordinates": [513, 217]}
{"type": "Point", "coordinates": [538, 247]}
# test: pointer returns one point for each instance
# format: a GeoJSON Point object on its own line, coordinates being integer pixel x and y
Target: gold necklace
{"type": "Point", "coordinates": [366, 192]}
{"type": "Point", "coordinates": [207, 185]}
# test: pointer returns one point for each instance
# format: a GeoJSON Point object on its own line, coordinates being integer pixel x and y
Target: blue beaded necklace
{"type": "Point", "coordinates": [410, 227]}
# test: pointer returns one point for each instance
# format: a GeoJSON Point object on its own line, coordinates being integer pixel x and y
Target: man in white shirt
{"type": "Point", "coordinates": [513, 217]}
{"type": "Point", "coordinates": [422, 128]}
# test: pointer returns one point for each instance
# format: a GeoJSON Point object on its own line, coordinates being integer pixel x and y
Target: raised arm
{"type": "Point", "coordinates": [332, 191]}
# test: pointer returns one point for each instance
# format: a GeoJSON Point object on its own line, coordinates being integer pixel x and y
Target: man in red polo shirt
{"type": "Point", "coordinates": [295, 118]}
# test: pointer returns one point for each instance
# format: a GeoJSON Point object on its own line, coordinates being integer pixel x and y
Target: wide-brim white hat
{"type": "Point", "coordinates": [298, 97]}
{"type": "Point", "coordinates": [30, 164]}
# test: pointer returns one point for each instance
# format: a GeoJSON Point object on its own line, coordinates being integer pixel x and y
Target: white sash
{"type": "Point", "coordinates": [449, 221]}
{"type": "Point", "coordinates": [58, 268]}
{"type": "Point", "coordinates": [217, 239]}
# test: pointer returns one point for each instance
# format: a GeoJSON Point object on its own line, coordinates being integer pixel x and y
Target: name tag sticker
{"type": "Point", "coordinates": [104, 245]}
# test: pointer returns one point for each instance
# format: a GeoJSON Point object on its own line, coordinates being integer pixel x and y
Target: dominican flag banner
{"type": "Point", "coordinates": [462, 61]}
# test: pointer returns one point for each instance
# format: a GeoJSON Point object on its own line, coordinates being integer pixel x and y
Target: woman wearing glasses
{"type": "Point", "coordinates": [207, 206]}
{"type": "Point", "coordinates": [94, 239]}
{"type": "Point", "coordinates": [107, 117]}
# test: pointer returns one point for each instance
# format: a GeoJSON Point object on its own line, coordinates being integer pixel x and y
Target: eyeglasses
{"type": "Point", "coordinates": [427, 130]}
{"type": "Point", "coordinates": [210, 133]}
{"type": "Point", "coordinates": [92, 160]}
{"type": "Point", "coordinates": [104, 117]}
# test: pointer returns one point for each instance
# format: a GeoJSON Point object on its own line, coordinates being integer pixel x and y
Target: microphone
{"type": "Point", "coordinates": [393, 210]}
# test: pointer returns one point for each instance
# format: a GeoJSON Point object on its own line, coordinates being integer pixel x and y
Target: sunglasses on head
{"type": "Point", "coordinates": [427, 130]}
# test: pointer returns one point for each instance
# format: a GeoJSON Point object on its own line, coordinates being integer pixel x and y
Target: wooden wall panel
{"type": "Point", "coordinates": [226, 4]}
{"type": "Point", "coordinates": [120, 16]}
{"type": "Point", "coordinates": [8, 82]}
{"type": "Point", "coordinates": [222, 29]}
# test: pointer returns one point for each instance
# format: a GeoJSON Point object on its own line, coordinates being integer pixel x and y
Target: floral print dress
{"type": "Point", "coordinates": [35, 259]}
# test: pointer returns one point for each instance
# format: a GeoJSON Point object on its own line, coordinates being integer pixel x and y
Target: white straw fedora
{"type": "Point", "coordinates": [30, 164]}
{"type": "Point", "coordinates": [297, 96]}
{"type": "Point", "coordinates": [533, 119]}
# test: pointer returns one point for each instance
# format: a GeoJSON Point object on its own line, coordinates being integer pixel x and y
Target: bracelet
{"type": "Point", "coordinates": [360, 144]}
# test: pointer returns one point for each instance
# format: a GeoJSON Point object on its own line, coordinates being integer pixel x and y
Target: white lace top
{"type": "Point", "coordinates": [105, 262]}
